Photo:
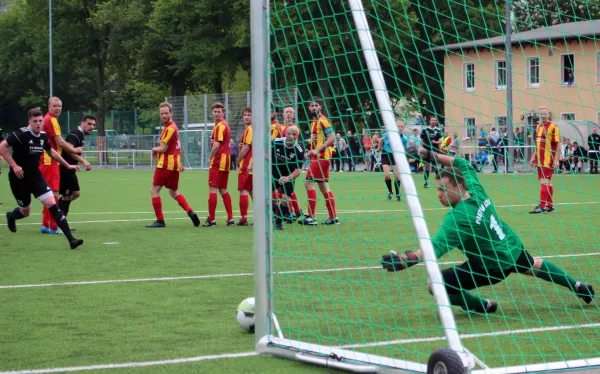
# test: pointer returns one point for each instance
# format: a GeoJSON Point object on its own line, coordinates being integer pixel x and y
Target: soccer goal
{"type": "Point", "coordinates": [480, 73]}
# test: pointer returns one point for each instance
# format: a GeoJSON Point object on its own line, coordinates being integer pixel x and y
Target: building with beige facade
{"type": "Point", "coordinates": [556, 66]}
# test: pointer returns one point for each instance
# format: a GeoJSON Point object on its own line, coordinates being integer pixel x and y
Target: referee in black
{"type": "Point", "coordinates": [431, 137]}
{"type": "Point", "coordinates": [25, 178]}
{"type": "Point", "coordinates": [69, 184]}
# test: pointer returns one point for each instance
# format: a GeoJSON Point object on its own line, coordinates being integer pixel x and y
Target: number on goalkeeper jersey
{"type": "Point", "coordinates": [494, 225]}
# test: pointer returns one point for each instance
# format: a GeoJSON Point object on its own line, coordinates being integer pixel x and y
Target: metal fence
{"type": "Point", "coordinates": [194, 112]}
{"type": "Point", "coordinates": [116, 122]}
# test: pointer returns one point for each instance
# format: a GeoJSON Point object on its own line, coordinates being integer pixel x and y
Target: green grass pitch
{"type": "Point", "coordinates": [130, 300]}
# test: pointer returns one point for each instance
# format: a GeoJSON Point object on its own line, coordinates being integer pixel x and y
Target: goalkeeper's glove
{"type": "Point", "coordinates": [395, 262]}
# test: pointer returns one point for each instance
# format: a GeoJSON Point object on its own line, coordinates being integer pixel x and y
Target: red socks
{"type": "Point", "coordinates": [546, 193]}
{"type": "Point", "coordinates": [183, 203]}
{"type": "Point", "coordinates": [212, 206]}
{"type": "Point", "coordinates": [244, 207]}
{"type": "Point", "coordinates": [157, 205]}
{"type": "Point", "coordinates": [330, 203]}
{"type": "Point", "coordinates": [294, 203]}
{"type": "Point", "coordinates": [228, 209]}
{"type": "Point", "coordinates": [312, 202]}
{"type": "Point", "coordinates": [45, 217]}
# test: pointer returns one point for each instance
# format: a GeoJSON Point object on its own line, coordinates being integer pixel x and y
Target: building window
{"type": "Point", "coordinates": [470, 128]}
{"type": "Point", "coordinates": [500, 74]}
{"type": "Point", "coordinates": [568, 116]}
{"type": "Point", "coordinates": [567, 69]}
{"type": "Point", "coordinates": [533, 72]}
{"type": "Point", "coordinates": [469, 76]}
{"type": "Point", "coordinates": [500, 122]}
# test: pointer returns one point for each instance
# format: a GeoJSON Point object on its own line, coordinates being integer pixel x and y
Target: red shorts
{"type": "Point", "coordinates": [545, 173]}
{"type": "Point", "coordinates": [218, 178]}
{"type": "Point", "coordinates": [318, 170]}
{"type": "Point", "coordinates": [51, 174]}
{"type": "Point", "coordinates": [166, 178]}
{"type": "Point", "coordinates": [245, 182]}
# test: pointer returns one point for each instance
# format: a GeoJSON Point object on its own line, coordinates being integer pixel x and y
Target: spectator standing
{"type": "Point", "coordinates": [342, 152]}
{"type": "Point", "coordinates": [454, 145]}
{"type": "Point", "coordinates": [482, 137]}
{"type": "Point", "coordinates": [234, 149]}
{"type": "Point", "coordinates": [494, 142]}
{"type": "Point", "coordinates": [353, 150]}
{"type": "Point", "coordinates": [366, 144]}
{"type": "Point", "coordinates": [593, 144]}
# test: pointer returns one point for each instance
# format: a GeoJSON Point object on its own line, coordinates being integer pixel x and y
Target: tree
{"type": "Point", "coordinates": [533, 14]}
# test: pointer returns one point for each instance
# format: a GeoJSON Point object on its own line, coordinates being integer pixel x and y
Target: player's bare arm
{"type": "Point", "coordinates": [9, 160]}
{"type": "Point", "coordinates": [80, 159]}
{"type": "Point", "coordinates": [214, 149]}
{"type": "Point", "coordinates": [559, 147]}
{"type": "Point", "coordinates": [327, 143]}
{"type": "Point", "coordinates": [66, 145]}
{"type": "Point", "coordinates": [162, 148]}
{"type": "Point", "coordinates": [243, 151]}
{"type": "Point", "coordinates": [56, 157]}
{"type": "Point", "coordinates": [295, 174]}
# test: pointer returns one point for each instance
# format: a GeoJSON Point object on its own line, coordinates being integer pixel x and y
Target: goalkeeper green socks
{"type": "Point", "coordinates": [552, 273]}
{"type": "Point", "coordinates": [468, 301]}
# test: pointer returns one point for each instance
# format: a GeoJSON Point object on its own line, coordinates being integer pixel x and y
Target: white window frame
{"type": "Point", "coordinates": [528, 72]}
{"type": "Point", "coordinates": [497, 122]}
{"type": "Point", "coordinates": [497, 75]}
{"type": "Point", "coordinates": [562, 69]}
{"type": "Point", "coordinates": [474, 127]}
{"type": "Point", "coordinates": [466, 79]}
{"type": "Point", "coordinates": [564, 114]}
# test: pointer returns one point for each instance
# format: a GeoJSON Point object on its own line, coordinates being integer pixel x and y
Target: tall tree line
{"type": "Point", "coordinates": [131, 53]}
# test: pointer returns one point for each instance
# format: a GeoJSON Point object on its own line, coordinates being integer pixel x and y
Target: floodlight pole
{"type": "Point", "coordinates": [509, 87]}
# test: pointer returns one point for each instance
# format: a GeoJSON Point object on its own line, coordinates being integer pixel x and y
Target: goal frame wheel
{"type": "Point", "coordinates": [445, 361]}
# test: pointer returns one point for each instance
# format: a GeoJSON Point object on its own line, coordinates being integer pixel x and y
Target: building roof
{"type": "Point", "coordinates": [563, 31]}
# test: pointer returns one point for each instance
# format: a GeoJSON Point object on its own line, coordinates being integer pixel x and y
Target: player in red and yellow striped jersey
{"type": "Point", "coordinates": [168, 167]}
{"type": "Point", "coordinates": [245, 165]}
{"type": "Point", "coordinates": [289, 114]}
{"type": "Point", "coordinates": [322, 138]}
{"type": "Point", "coordinates": [218, 172]}
{"type": "Point", "coordinates": [547, 146]}
{"type": "Point", "coordinates": [50, 168]}
{"type": "Point", "coordinates": [276, 129]}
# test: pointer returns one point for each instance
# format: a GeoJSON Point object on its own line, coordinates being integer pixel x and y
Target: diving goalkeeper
{"type": "Point", "coordinates": [492, 249]}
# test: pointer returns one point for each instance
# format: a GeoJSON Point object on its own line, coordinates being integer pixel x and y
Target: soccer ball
{"type": "Point", "coordinates": [245, 314]}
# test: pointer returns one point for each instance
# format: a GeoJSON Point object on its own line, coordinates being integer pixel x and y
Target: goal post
{"type": "Point", "coordinates": [322, 296]}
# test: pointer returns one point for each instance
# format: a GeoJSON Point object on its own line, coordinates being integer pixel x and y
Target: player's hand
{"type": "Point", "coordinates": [18, 172]}
{"type": "Point", "coordinates": [181, 168]}
{"type": "Point", "coordinates": [88, 166]}
{"type": "Point", "coordinates": [78, 150]}
{"type": "Point", "coordinates": [284, 180]}
{"type": "Point", "coordinates": [74, 167]}
{"type": "Point", "coordinates": [396, 262]}
{"type": "Point", "coordinates": [312, 152]}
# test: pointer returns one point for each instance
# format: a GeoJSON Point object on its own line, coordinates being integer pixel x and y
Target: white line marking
{"type": "Point", "coordinates": [133, 364]}
{"type": "Point", "coordinates": [110, 243]}
{"type": "Point", "coordinates": [201, 211]}
{"type": "Point", "coordinates": [234, 275]}
{"type": "Point", "coordinates": [472, 336]}
{"type": "Point", "coordinates": [249, 354]}
{"type": "Point", "coordinates": [345, 211]}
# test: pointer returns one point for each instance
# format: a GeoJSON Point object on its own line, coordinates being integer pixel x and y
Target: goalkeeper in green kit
{"type": "Point", "coordinates": [492, 249]}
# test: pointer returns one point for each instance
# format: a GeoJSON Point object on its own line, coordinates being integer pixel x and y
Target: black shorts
{"type": "Point", "coordinates": [468, 277]}
{"type": "Point", "coordinates": [286, 188]}
{"type": "Point", "coordinates": [32, 184]}
{"type": "Point", "coordinates": [68, 182]}
{"type": "Point", "coordinates": [387, 159]}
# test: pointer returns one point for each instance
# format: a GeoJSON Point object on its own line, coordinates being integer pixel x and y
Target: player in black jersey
{"type": "Point", "coordinates": [431, 137]}
{"type": "Point", "coordinates": [287, 157]}
{"type": "Point", "coordinates": [25, 176]}
{"type": "Point", "coordinates": [69, 184]}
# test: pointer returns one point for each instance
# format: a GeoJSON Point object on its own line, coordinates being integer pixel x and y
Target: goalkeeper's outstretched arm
{"type": "Point", "coordinates": [432, 157]}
